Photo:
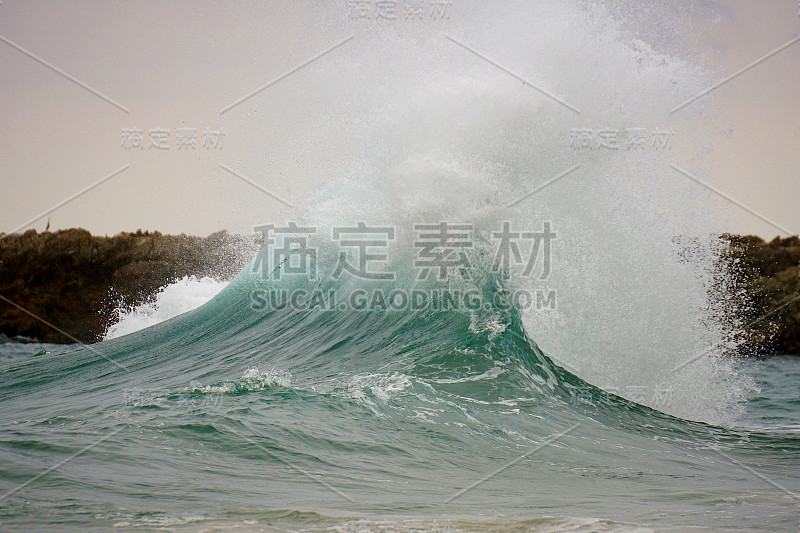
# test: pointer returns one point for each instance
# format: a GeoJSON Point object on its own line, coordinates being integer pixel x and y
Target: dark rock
{"type": "Point", "coordinates": [75, 281]}
{"type": "Point", "coordinates": [767, 275]}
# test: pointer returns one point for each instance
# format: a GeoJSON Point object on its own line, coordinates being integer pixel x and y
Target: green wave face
{"type": "Point", "coordinates": [239, 414]}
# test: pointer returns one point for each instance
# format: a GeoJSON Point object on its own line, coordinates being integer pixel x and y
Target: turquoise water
{"type": "Point", "coordinates": [369, 421]}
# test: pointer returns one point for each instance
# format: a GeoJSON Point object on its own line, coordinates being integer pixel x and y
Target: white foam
{"type": "Point", "coordinates": [252, 380]}
{"type": "Point", "coordinates": [184, 295]}
{"type": "Point", "coordinates": [447, 136]}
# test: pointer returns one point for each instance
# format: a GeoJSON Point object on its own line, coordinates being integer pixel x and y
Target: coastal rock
{"type": "Point", "coordinates": [75, 281]}
{"type": "Point", "coordinates": [768, 274]}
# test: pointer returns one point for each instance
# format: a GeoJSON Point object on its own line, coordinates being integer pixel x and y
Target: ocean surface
{"type": "Point", "coordinates": [230, 418]}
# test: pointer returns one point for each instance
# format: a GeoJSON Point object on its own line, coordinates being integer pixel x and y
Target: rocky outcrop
{"type": "Point", "coordinates": [769, 275]}
{"type": "Point", "coordinates": [75, 281]}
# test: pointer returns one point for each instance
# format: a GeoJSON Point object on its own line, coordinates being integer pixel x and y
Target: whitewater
{"type": "Point", "coordinates": [614, 402]}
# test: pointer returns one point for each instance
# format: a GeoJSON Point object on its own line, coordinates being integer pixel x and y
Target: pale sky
{"type": "Point", "coordinates": [74, 75]}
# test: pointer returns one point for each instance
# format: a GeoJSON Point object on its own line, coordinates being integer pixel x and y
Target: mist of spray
{"type": "Point", "coordinates": [471, 122]}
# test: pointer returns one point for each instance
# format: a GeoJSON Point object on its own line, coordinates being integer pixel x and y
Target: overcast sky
{"type": "Point", "coordinates": [79, 79]}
